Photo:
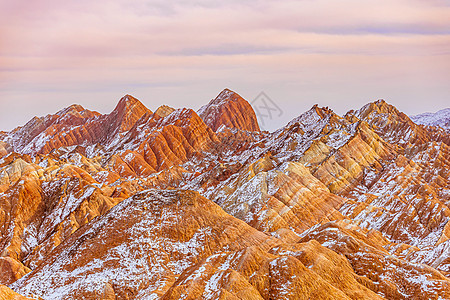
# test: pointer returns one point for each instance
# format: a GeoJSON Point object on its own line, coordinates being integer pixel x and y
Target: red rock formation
{"type": "Point", "coordinates": [127, 112]}
{"type": "Point", "coordinates": [176, 242]}
{"type": "Point", "coordinates": [11, 270]}
{"type": "Point", "coordinates": [384, 274]}
{"type": "Point", "coordinates": [151, 238]}
{"type": "Point", "coordinates": [164, 110]}
{"type": "Point", "coordinates": [75, 125]}
{"type": "Point", "coordinates": [159, 143]}
{"type": "Point", "coordinates": [231, 110]}
{"type": "Point", "coordinates": [8, 294]}
{"type": "Point", "coordinates": [326, 207]}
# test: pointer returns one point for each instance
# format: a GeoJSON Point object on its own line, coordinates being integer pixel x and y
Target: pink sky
{"type": "Point", "coordinates": [340, 54]}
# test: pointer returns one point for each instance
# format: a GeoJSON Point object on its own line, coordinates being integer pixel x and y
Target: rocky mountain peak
{"type": "Point", "coordinates": [126, 113]}
{"type": "Point", "coordinates": [128, 105]}
{"type": "Point", "coordinates": [231, 110]}
{"type": "Point", "coordinates": [323, 111]}
{"type": "Point", "coordinates": [164, 110]}
{"type": "Point", "coordinates": [74, 108]}
{"type": "Point", "coordinates": [226, 95]}
{"type": "Point", "coordinates": [377, 108]}
{"type": "Point", "coordinates": [313, 117]}
{"type": "Point", "coordinates": [326, 207]}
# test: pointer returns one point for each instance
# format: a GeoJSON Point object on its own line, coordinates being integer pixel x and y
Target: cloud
{"type": "Point", "coordinates": [329, 49]}
{"type": "Point", "coordinates": [119, 28]}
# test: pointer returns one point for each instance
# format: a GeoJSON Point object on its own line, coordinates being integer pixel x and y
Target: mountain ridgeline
{"type": "Point", "coordinates": [179, 204]}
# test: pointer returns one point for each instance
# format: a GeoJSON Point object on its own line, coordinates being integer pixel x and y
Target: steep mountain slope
{"type": "Point", "coordinates": [75, 125]}
{"type": "Point", "coordinates": [8, 294]}
{"type": "Point", "coordinates": [127, 241]}
{"type": "Point", "coordinates": [230, 110]}
{"type": "Point", "coordinates": [179, 205]}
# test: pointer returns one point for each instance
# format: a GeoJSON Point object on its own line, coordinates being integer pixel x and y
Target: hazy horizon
{"type": "Point", "coordinates": [337, 54]}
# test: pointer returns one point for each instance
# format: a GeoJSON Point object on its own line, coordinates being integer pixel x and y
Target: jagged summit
{"type": "Point", "coordinates": [312, 117]}
{"type": "Point", "coordinates": [396, 127]}
{"type": "Point", "coordinates": [128, 102]}
{"type": "Point", "coordinates": [74, 108]}
{"type": "Point", "coordinates": [75, 126]}
{"type": "Point", "coordinates": [141, 205]}
{"type": "Point", "coordinates": [323, 111]}
{"type": "Point", "coordinates": [129, 105]}
{"type": "Point", "coordinates": [127, 112]}
{"type": "Point", "coordinates": [376, 108]}
{"type": "Point", "coordinates": [164, 111]}
{"type": "Point", "coordinates": [231, 110]}
{"type": "Point", "coordinates": [224, 96]}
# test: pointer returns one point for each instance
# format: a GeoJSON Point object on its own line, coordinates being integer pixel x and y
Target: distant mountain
{"type": "Point", "coordinates": [440, 118]}
{"type": "Point", "coordinates": [178, 204]}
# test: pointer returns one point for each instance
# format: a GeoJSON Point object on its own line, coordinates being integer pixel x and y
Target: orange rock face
{"type": "Point", "coordinates": [230, 110]}
{"type": "Point", "coordinates": [8, 294]}
{"type": "Point", "coordinates": [179, 205]}
{"type": "Point", "coordinates": [11, 270]}
{"type": "Point", "coordinates": [75, 125]}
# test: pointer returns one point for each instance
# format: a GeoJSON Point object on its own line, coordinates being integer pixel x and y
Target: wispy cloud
{"type": "Point", "coordinates": [345, 52]}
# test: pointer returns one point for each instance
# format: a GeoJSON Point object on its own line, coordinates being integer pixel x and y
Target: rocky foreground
{"type": "Point", "coordinates": [178, 204]}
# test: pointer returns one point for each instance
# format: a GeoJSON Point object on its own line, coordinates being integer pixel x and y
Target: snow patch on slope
{"type": "Point", "coordinates": [440, 118]}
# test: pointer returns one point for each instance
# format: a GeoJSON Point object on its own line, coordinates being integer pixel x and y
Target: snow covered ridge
{"type": "Point", "coordinates": [440, 118]}
{"type": "Point", "coordinates": [179, 204]}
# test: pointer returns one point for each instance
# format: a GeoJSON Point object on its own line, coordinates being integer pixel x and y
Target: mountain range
{"type": "Point", "coordinates": [179, 204]}
{"type": "Point", "coordinates": [440, 118]}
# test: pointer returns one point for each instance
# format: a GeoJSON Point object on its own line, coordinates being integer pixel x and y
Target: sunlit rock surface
{"type": "Point", "coordinates": [230, 110]}
{"type": "Point", "coordinates": [179, 204]}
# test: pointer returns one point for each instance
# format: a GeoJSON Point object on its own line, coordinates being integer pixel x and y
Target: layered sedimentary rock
{"type": "Point", "coordinates": [230, 110]}
{"type": "Point", "coordinates": [8, 294]}
{"type": "Point", "coordinates": [41, 206]}
{"type": "Point", "coordinates": [175, 244]}
{"type": "Point", "coordinates": [387, 275]}
{"type": "Point", "coordinates": [164, 111]}
{"type": "Point", "coordinates": [179, 205]}
{"type": "Point", "coordinates": [141, 245]}
{"type": "Point", "coordinates": [75, 125]}
{"type": "Point", "coordinates": [11, 270]}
